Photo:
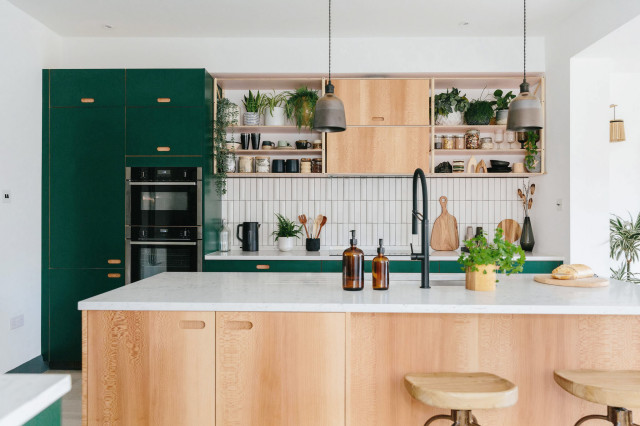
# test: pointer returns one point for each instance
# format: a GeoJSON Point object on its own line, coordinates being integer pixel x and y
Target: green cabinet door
{"type": "Point", "coordinates": [165, 131]}
{"type": "Point", "coordinates": [87, 88]}
{"type": "Point", "coordinates": [166, 87]}
{"type": "Point", "coordinates": [86, 188]}
{"type": "Point", "coordinates": [68, 287]}
{"type": "Point", "coordinates": [262, 266]}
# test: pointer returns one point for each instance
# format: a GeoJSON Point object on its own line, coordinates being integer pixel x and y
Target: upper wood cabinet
{"type": "Point", "coordinates": [384, 102]}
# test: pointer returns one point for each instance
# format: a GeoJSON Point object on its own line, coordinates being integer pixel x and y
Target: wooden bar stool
{"type": "Point", "coordinates": [461, 393]}
{"type": "Point", "coordinates": [615, 389]}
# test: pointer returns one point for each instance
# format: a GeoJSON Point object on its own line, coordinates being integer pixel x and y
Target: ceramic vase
{"type": "Point", "coordinates": [537, 164]}
{"type": "Point", "coordinates": [285, 243]}
{"type": "Point", "coordinates": [251, 118]}
{"type": "Point", "coordinates": [484, 279]}
{"type": "Point", "coordinates": [526, 239]}
{"type": "Point", "coordinates": [501, 116]}
{"type": "Point", "coordinates": [453, 119]}
{"type": "Point", "coordinates": [275, 119]}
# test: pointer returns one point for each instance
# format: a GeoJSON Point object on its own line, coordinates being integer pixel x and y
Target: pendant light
{"type": "Point", "coordinates": [525, 111]}
{"type": "Point", "coordinates": [616, 127]}
{"type": "Point", "coordinates": [329, 114]}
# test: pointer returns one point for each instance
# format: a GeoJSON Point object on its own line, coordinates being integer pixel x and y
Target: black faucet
{"type": "Point", "coordinates": [423, 256]}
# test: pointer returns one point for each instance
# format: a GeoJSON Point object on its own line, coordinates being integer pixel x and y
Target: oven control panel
{"type": "Point", "coordinates": [169, 233]}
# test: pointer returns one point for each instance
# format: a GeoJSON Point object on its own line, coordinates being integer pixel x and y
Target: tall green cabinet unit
{"type": "Point", "coordinates": [95, 123]}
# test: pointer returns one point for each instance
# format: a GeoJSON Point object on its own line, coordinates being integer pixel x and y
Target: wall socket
{"type": "Point", "coordinates": [559, 204]}
{"type": "Point", "coordinates": [6, 196]}
{"type": "Point", "coordinates": [16, 322]}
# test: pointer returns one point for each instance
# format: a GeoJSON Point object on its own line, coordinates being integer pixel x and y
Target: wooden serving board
{"type": "Point", "coordinates": [445, 230]}
{"type": "Point", "coordinates": [582, 282]}
{"type": "Point", "coordinates": [512, 230]}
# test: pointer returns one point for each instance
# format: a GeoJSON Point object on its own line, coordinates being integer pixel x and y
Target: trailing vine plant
{"type": "Point", "coordinates": [531, 146]}
{"type": "Point", "coordinates": [226, 117]}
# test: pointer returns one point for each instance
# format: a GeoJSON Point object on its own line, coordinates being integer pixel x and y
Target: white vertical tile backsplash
{"type": "Point", "coordinates": [375, 207]}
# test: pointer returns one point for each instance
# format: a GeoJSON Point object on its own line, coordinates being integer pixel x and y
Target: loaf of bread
{"type": "Point", "coordinates": [572, 272]}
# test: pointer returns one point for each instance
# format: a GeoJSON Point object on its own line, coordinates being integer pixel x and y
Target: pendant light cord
{"type": "Point", "coordinates": [525, 41]}
{"type": "Point", "coordinates": [329, 41]}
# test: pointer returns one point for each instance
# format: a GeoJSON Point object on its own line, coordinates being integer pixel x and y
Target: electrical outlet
{"type": "Point", "coordinates": [6, 196]}
{"type": "Point", "coordinates": [559, 204]}
{"type": "Point", "coordinates": [17, 322]}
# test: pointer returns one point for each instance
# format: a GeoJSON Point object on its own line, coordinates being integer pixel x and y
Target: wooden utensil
{"type": "Point", "coordinates": [591, 282]}
{"type": "Point", "coordinates": [512, 230]}
{"type": "Point", "coordinates": [316, 224]}
{"type": "Point", "coordinates": [322, 223]}
{"type": "Point", "coordinates": [303, 220]}
{"type": "Point", "coordinates": [445, 230]}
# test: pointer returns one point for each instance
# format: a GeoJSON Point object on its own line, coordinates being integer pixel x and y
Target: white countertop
{"type": "Point", "coordinates": [23, 396]}
{"type": "Point", "coordinates": [331, 254]}
{"type": "Point", "coordinates": [322, 292]}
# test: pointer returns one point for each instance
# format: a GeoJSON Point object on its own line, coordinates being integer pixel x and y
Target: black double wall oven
{"type": "Point", "coordinates": [163, 221]}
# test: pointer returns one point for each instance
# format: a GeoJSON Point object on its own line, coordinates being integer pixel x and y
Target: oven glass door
{"type": "Point", "coordinates": [164, 204]}
{"type": "Point", "coordinates": [149, 258]}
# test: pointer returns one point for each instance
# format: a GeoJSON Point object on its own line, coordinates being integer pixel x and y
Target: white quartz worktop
{"type": "Point", "coordinates": [336, 254]}
{"type": "Point", "coordinates": [24, 396]}
{"type": "Point", "coordinates": [322, 292]}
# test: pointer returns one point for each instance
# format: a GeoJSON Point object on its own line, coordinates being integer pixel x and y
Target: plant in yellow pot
{"type": "Point", "coordinates": [485, 258]}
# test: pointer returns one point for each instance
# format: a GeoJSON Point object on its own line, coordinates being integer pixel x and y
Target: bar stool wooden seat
{"type": "Point", "coordinates": [461, 393]}
{"type": "Point", "coordinates": [615, 389]}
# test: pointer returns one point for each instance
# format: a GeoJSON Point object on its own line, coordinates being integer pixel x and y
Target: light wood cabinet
{"type": "Point", "coordinates": [378, 150]}
{"type": "Point", "coordinates": [384, 102]}
{"type": "Point", "coordinates": [148, 368]}
{"type": "Point", "coordinates": [281, 369]}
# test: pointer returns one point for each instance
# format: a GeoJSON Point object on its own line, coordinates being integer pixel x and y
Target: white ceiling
{"type": "Point", "coordinates": [296, 18]}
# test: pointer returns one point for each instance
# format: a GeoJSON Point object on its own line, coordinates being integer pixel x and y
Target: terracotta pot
{"type": "Point", "coordinates": [479, 281]}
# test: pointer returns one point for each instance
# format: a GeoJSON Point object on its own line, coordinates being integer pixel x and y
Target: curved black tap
{"type": "Point", "coordinates": [423, 256]}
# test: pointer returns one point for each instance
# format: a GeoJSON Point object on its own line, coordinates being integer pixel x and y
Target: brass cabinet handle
{"type": "Point", "coordinates": [377, 118]}
{"type": "Point", "coordinates": [239, 325]}
{"type": "Point", "coordinates": [87, 100]}
{"type": "Point", "coordinates": [114, 261]}
{"type": "Point", "coordinates": [164, 148]}
{"type": "Point", "coordinates": [192, 325]}
{"type": "Point", "coordinates": [263, 267]}
{"type": "Point", "coordinates": [113, 275]}
{"type": "Point", "coordinates": [164, 100]}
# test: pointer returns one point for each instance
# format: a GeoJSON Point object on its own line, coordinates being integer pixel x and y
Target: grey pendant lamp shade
{"type": "Point", "coordinates": [329, 115]}
{"type": "Point", "coordinates": [525, 111]}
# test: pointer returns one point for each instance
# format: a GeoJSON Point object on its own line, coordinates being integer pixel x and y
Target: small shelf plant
{"type": "Point", "coordinates": [253, 105]}
{"type": "Point", "coordinates": [285, 232]}
{"type": "Point", "coordinates": [449, 107]}
{"type": "Point", "coordinates": [485, 258]}
{"type": "Point", "coordinates": [501, 103]}
{"type": "Point", "coordinates": [301, 106]}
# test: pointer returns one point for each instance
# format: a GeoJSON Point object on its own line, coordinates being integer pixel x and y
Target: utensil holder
{"type": "Point", "coordinates": [313, 244]}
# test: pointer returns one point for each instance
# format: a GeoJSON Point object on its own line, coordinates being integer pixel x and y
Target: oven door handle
{"type": "Point", "coordinates": [163, 183]}
{"type": "Point", "coordinates": [163, 243]}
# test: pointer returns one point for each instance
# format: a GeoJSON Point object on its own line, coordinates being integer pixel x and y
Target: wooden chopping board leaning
{"type": "Point", "coordinates": [444, 236]}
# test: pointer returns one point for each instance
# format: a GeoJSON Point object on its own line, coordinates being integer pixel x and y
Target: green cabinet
{"type": "Point", "coordinates": [396, 266]}
{"type": "Point", "coordinates": [86, 88]}
{"type": "Point", "coordinates": [86, 184]}
{"type": "Point", "coordinates": [263, 266]}
{"type": "Point", "coordinates": [166, 87]}
{"type": "Point", "coordinates": [68, 287]}
{"type": "Point", "coordinates": [50, 416]}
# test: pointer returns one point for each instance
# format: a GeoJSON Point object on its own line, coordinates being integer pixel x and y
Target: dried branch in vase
{"type": "Point", "coordinates": [525, 195]}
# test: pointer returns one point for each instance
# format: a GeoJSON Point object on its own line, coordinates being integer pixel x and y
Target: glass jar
{"type": "Point", "coordinates": [486, 143]}
{"type": "Point", "coordinates": [447, 142]}
{"type": "Point", "coordinates": [472, 139]}
{"type": "Point", "coordinates": [458, 141]}
{"type": "Point", "coordinates": [262, 164]}
{"type": "Point", "coordinates": [225, 237]}
{"type": "Point", "coordinates": [230, 163]}
{"type": "Point", "coordinates": [437, 142]}
{"type": "Point", "coordinates": [245, 164]}
{"type": "Point", "coordinates": [316, 165]}
{"type": "Point", "coordinates": [305, 165]}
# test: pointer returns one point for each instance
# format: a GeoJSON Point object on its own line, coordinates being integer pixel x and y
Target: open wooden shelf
{"type": "Point", "coordinates": [464, 127]}
{"type": "Point", "coordinates": [275, 175]}
{"type": "Point", "coordinates": [454, 152]}
{"type": "Point", "coordinates": [380, 176]}
{"type": "Point", "coordinates": [277, 152]}
{"type": "Point", "coordinates": [272, 129]}
{"type": "Point", "coordinates": [268, 83]}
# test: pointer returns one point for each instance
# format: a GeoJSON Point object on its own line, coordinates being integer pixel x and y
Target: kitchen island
{"type": "Point", "coordinates": [294, 349]}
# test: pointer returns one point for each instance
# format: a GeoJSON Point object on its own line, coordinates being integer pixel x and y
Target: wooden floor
{"type": "Point", "coordinates": [71, 402]}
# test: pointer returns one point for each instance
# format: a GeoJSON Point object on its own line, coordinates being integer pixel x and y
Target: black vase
{"type": "Point", "coordinates": [526, 239]}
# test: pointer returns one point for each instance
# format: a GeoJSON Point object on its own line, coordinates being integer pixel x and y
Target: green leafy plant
{"type": "Point", "coordinates": [253, 103]}
{"type": "Point", "coordinates": [508, 257]}
{"type": "Point", "coordinates": [480, 112]}
{"type": "Point", "coordinates": [450, 101]}
{"type": "Point", "coordinates": [624, 241]}
{"type": "Point", "coordinates": [502, 102]}
{"type": "Point", "coordinates": [272, 101]}
{"type": "Point", "coordinates": [226, 117]}
{"type": "Point", "coordinates": [286, 228]}
{"type": "Point", "coordinates": [531, 145]}
{"type": "Point", "coordinates": [301, 105]}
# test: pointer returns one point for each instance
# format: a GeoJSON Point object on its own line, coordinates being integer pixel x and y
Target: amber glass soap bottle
{"type": "Point", "coordinates": [380, 270]}
{"type": "Point", "coordinates": [353, 266]}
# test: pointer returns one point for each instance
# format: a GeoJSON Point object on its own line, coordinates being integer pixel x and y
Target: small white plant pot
{"type": "Point", "coordinates": [285, 243]}
{"type": "Point", "coordinates": [453, 119]}
{"type": "Point", "coordinates": [501, 116]}
{"type": "Point", "coordinates": [277, 119]}
{"type": "Point", "coordinates": [251, 118]}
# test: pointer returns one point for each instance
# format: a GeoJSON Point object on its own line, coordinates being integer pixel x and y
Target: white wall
{"type": "Point", "coordinates": [26, 46]}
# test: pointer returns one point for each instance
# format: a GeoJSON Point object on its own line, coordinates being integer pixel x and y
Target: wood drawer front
{"type": "Point", "coordinates": [166, 87]}
{"type": "Point", "coordinates": [378, 150]}
{"type": "Point", "coordinates": [87, 88]}
{"type": "Point", "coordinates": [384, 102]}
{"type": "Point", "coordinates": [262, 266]}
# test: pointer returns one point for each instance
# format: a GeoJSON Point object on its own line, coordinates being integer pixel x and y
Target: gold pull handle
{"type": "Point", "coordinates": [164, 148]}
{"type": "Point", "coordinates": [239, 325]}
{"type": "Point", "coordinates": [164, 100]}
{"type": "Point", "coordinates": [114, 261]}
{"type": "Point", "coordinates": [113, 275]}
{"type": "Point", "coordinates": [87, 100]}
{"type": "Point", "coordinates": [192, 325]}
{"type": "Point", "coordinates": [263, 267]}
{"type": "Point", "coordinates": [377, 118]}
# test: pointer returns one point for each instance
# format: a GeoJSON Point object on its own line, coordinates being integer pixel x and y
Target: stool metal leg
{"type": "Point", "coordinates": [459, 418]}
{"type": "Point", "coordinates": [438, 417]}
{"type": "Point", "coordinates": [616, 415]}
{"type": "Point", "coordinates": [591, 417]}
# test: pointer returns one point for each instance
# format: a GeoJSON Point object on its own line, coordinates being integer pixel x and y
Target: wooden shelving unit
{"type": "Point", "coordinates": [273, 129]}
{"type": "Point", "coordinates": [469, 152]}
{"type": "Point", "coordinates": [278, 152]}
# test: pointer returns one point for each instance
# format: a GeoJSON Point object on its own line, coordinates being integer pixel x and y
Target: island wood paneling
{"type": "Point", "coordinates": [149, 368]}
{"type": "Point", "coordinates": [524, 349]}
{"type": "Point", "coordinates": [280, 369]}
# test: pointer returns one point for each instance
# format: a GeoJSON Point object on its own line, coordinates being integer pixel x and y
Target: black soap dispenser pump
{"type": "Point", "coordinates": [353, 266]}
{"type": "Point", "coordinates": [380, 269]}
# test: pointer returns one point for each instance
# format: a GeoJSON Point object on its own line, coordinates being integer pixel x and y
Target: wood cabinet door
{"type": "Point", "coordinates": [385, 102]}
{"type": "Point", "coordinates": [378, 150]}
{"type": "Point", "coordinates": [150, 368]}
{"type": "Point", "coordinates": [280, 368]}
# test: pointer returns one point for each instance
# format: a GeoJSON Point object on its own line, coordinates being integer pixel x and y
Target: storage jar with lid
{"type": "Point", "coordinates": [245, 164]}
{"type": "Point", "coordinates": [437, 142]}
{"type": "Point", "coordinates": [305, 165]}
{"type": "Point", "coordinates": [447, 142]}
{"type": "Point", "coordinates": [458, 141]}
{"type": "Point", "coordinates": [472, 139]}
{"type": "Point", "coordinates": [486, 143]}
{"type": "Point", "coordinates": [316, 165]}
{"type": "Point", "coordinates": [262, 164]}
{"type": "Point", "coordinates": [230, 165]}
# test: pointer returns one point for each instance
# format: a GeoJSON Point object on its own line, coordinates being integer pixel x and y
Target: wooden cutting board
{"type": "Point", "coordinates": [512, 230]}
{"type": "Point", "coordinates": [582, 282]}
{"type": "Point", "coordinates": [445, 230]}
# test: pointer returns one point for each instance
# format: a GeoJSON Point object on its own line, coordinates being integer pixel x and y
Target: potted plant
{"type": "Point", "coordinates": [502, 105]}
{"type": "Point", "coordinates": [286, 232]}
{"type": "Point", "coordinates": [273, 108]}
{"type": "Point", "coordinates": [449, 107]}
{"type": "Point", "coordinates": [484, 258]}
{"type": "Point", "coordinates": [226, 117]}
{"type": "Point", "coordinates": [526, 238]}
{"type": "Point", "coordinates": [532, 160]}
{"type": "Point", "coordinates": [479, 113]}
{"type": "Point", "coordinates": [301, 105]}
{"type": "Point", "coordinates": [253, 105]}
{"type": "Point", "coordinates": [624, 241]}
